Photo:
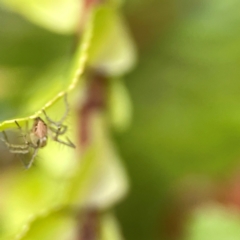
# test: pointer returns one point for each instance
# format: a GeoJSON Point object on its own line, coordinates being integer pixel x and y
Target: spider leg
{"type": "Point", "coordinates": [27, 143]}
{"type": "Point", "coordinates": [68, 143]}
{"type": "Point", "coordinates": [23, 135]}
{"type": "Point", "coordinates": [5, 137]}
{"type": "Point", "coordinates": [60, 130]}
{"type": "Point", "coordinates": [32, 158]}
{"type": "Point", "coordinates": [14, 148]}
{"type": "Point", "coordinates": [22, 151]}
{"type": "Point", "coordinates": [57, 127]}
{"type": "Point", "coordinates": [58, 123]}
{"type": "Point", "coordinates": [49, 119]}
{"type": "Point", "coordinates": [67, 108]}
{"type": "Point", "coordinates": [71, 144]}
{"type": "Point", "coordinates": [21, 159]}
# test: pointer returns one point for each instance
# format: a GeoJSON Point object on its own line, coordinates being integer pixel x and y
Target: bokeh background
{"type": "Point", "coordinates": [181, 152]}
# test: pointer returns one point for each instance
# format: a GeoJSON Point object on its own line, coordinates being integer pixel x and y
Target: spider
{"type": "Point", "coordinates": [38, 136]}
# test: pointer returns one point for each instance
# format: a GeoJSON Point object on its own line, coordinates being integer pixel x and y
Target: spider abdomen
{"type": "Point", "coordinates": [39, 133]}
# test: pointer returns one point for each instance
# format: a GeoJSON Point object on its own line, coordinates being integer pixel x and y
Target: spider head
{"type": "Point", "coordinates": [39, 133]}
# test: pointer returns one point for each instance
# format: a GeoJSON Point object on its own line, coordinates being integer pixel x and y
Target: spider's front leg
{"type": "Point", "coordinates": [68, 143]}
{"type": "Point", "coordinates": [60, 131]}
{"type": "Point", "coordinates": [58, 123]}
{"type": "Point", "coordinates": [57, 128]}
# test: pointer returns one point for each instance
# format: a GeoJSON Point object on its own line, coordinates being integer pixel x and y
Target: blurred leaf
{"type": "Point", "coordinates": [24, 44]}
{"type": "Point", "coordinates": [57, 225]}
{"type": "Point", "coordinates": [110, 228]}
{"type": "Point", "coordinates": [185, 92]}
{"type": "Point", "coordinates": [112, 50]}
{"type": "Point", "coordinates": [119, 105]}
{"type": "Point", "coordinates": [25, 197]}
{"type": "Point", "coordinates": [56, 15]}
{"type": "Point", "coordinates": [99, 181]}
{"type": "Point", "coordinates": [214, 223]}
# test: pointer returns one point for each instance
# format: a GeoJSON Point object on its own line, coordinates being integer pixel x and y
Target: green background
{"type": "Point", "coordinates": [181, 151]}
{"type": "Point", "coordinates": [184, 140]}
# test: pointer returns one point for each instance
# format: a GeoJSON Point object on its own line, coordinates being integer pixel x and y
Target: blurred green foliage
{"type": "Point", "coordinates": [185, 93]}
{"type": "Point", "coordinates": [182, 149]}
{"type": "Point", "coordinates": [214, 222]}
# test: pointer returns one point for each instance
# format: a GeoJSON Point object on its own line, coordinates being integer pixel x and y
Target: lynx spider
{"type": "Point", "coordinates": [37, 137]}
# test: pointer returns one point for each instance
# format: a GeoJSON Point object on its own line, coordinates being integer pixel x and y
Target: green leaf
{"type": "Point", "coordinates": [75, 73]}
{"type": "Point", "coordinates": [99, 180]}
{"type": "Point", "coordinates": [25, 197]}
{"type": "Point", "coordinates": [109, 228]}
{"type": "Point", "coordinates": [112, 50]}
{"type": "Point", "coordinates": [119, 105]}
{"type": "Point", "coordinates": [59, 225]}
{"type": "Point", "coordinates": [56, 15]}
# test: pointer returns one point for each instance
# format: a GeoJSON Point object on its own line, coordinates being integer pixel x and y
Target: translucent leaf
{"type": "Point", "coordinates": [25, 197]}
{"type": "Point", "coordinates": [100, 180]}
{"type": "Point", "coordinates": [110, 228]}
{"type": "Point", "coordinates": [119, 105]}
{"type": "Point", "coordinates": [112, 50]}
{"type": "Point", "coordinates": [65, 224]}
{"type": "Point", "coordinates": [56, 15]}
{"type": "Point", "coordinates": [57, 225]}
